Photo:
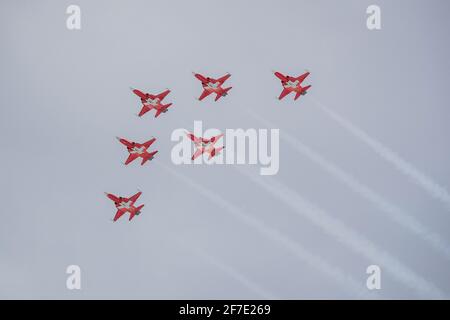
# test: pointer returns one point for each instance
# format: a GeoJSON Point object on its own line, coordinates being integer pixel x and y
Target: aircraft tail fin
{"type": "Point", "coordinates": [149, 157]}
{"type": "Point", "coordinates": [302, 93]}
{"type": "Point", "coordinates": [163, 108]}
{"type": "Point", "coordinates": [136, 212]}
{"type": "Point", "coordinates": [138, 209]}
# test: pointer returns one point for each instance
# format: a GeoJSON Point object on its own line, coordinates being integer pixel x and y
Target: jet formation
{"type": "Point", "coordinates": [155, 102]}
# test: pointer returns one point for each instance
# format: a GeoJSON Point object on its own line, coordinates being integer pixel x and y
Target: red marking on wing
{"type": "Point", "coordinates": [280, 76]}
{"type": "Point", "coordinates": [144, 110]}
{"type": "Point", "coordinates": [134, 198]}
{"type": "Point", "coordinates": [216, 138]}
{"type": "Point", "coordinates": [163, 94]}
{"type": "Point", "coordinates": [140, 94]}
{"type": "Point", "coordinates": [303, 77]}
{"type": "Point", "coordinates": [197, 153]}
{"type": "Point", "coordinates": [214, 152]}
{"type": "Point", "coordinates": [200, 77]}
{"type": "Point", "coordinates": [131, 158]}
{"type": "Point", "coordinates": [149, 142]}
{"type": "Point", "coordinates": [204, 94]}
{"type": "Point", "coordinates": [224, 78]}
{"type": "Point", "coordinates": [124, 142]}
{"type": "Point", "coordinates": [118, 215]}
{"type": "Point", "coordinates": [284, 93]}
{"type": "Point", "coordinates": [112, 197]}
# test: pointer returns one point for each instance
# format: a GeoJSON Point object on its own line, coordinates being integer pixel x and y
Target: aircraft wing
{"type": "Point", "coordinates": [197, 140]}
{"type": "Point", "coordinates": [131, 158]}
{"type": "Point", "coordinates": [204, 94]}
{"type": "Point", "coordinates": [303, 77]}
{"type": "Point", "coordinates": [134, 198]}
{"type": "Point", "coordinates": [197, 153]}
{"type": "Point", "coordinates": [216, 138]}
{"type": "Point", "coordinates": [144, 110]}
{"type": "Point", "coordinates": [124, 142]}
{"type": "Point", "coordinates": [163, 94]}
{"type": "Point", "coordinates": [284, 93]}
{"type": "Point", "coordinates": [139, 93]}
{"type": "Point", "coordinates": [200, 77]}
{"type": "Point", "coordinates": [280, 76]}
{"type": "Point", "coordinates": [214, 151]}
{"type": "Point", "coordinates": [149, 142]}
{"type": "Point", "coordinates": [224, 78]}
{"type": "Point", "coordinates": [112, 197]}
{"type": "Point", "coordinates": [217, 97]}
{"type": "Point", "coordinates": [118, 215]}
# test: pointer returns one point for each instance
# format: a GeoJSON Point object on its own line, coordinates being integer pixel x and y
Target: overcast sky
{"type": "Point", "coordinates": [339, 203]}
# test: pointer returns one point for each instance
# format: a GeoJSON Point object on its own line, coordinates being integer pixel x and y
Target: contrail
{"type": "Point", "coordinates": [315, 261]}
{"type": "Point", "coordinates": [392, 211]}
{"type": "Point", "coordinates": [347, 236]}
{"type": "Point", "coordinates": [421, 179]}
{"type": "Point", "coordinates": [230, 271]}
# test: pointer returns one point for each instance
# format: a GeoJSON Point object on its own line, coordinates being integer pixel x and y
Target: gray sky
{"type": "Point", "coordinates": [64, 97]}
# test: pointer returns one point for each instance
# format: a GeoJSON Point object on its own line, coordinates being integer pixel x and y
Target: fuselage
{"type": "Point", "coordinates": [214, 87]}
{"type": "Point", "coordinates": [140, 151]}
{"type": "Point", "coordinates": [293, 86]}
{"type": "Point", "coordinates": [151, 102]}
{"type": "Point", "coordinates": [137, 150]}
{"type": "Point", "coordinates": [127, 206]}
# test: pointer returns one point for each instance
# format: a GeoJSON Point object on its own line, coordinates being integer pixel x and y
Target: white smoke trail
{"type": "Point", "coordinates": [230, 271]}
{"type": "Point", "coordinates": [315, 261]}
{"type": "Point", "coordinates": [421, 179]}
{"type": "Point", "coordinates": [392, 211]}
{"type": "Point", "coordinates": [347, 236]}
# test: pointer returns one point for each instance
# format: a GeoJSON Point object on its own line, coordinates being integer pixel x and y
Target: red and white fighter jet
{"type": "Point", "coordinates": [138, 150]}
{"type": "Point", "coordinates": [125, 205]}
{"type": "Point", "coordinates": [211, 85]}
{"type": "Point", "coordinates": [292, 84]}
{"type": "Point", "coordinates": [150, 101]}
{"type": "Point", "coordinates": [205, 145]}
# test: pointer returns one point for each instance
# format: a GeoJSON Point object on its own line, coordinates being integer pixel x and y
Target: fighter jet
{"type": "Point", "coordinates": [205, 145]}
{"type": "Point", "coordinates": [138, 150]}
{"type": "Point", "coordinates": [125, 205]}
{"type": "Point", "coordinates": [150, 101]}
{"type": "Point", "coordinates": [211, 85]}
{"type": "Point", "coordinates": [292, 84]}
